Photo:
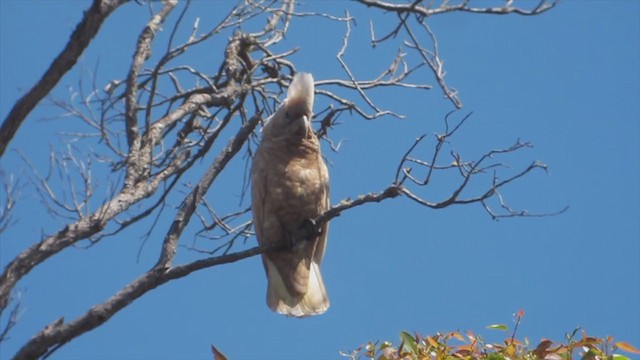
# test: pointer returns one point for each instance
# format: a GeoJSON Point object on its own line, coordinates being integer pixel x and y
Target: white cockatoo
{"type": "Point", "coordinates": [290, 188]}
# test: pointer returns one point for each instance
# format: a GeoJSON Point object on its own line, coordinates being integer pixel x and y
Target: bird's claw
{"type": "Point", "coordinates": [308, 229]}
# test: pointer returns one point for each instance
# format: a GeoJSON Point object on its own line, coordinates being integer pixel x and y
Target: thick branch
{"type": "Point", "coordinates": [58, 333]}
{"type": "Point", "coordinates": [80, 39]}
{"type": "Point", "coordinates": [193, 199]}
{"type": "Point", "coordinates": [94, 223]}
{"type": "Point", "coordinates": [142, 53]}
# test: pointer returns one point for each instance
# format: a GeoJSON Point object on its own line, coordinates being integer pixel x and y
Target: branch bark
{"type": "Point", "coordinates": [142, 53]}
{"type": "Point", "coordinates": [85, 31]}
{"type": "Point", "coordinates": [463, 6]}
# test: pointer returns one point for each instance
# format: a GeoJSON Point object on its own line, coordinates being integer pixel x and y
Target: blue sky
{"type": "Point", "coordinates": [568, 81]}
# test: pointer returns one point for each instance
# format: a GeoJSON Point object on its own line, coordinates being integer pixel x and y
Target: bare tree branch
{"type": "Point", "coordinates": [461, 6]}
{"type": "Point", "coordinates": [142, 53]}
{"type": "Point", "coordinates": [188, 207]}
{"type": "Point", "coordinates": [58, 333]}
{"type": "Point", "coordinates": [467, 170]}
{"type": "Point", "coordinates": [186, 112]}
{"type": "Point", "coordinates": [414, 10]}
{"type": "Point", "coordinates": [85, 31]}
{"type": "Point", "coordinates": [10, 193]}
{"type": "Point", "coordinates": [90, 225]}
{"type": "Point", "coordinates": [14, 315]}
{"type": "Point", "coordinates": [340, 55]}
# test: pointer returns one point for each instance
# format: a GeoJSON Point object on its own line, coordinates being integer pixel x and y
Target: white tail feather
{"type": "Point", "coordinates": [314, 302]}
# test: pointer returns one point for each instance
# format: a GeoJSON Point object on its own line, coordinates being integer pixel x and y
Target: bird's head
{"type": "Point", "coordinates": [293, 117]}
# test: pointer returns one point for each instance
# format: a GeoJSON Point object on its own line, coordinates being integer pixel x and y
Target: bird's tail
{"type": "Point", "coordinates": [314, 302]}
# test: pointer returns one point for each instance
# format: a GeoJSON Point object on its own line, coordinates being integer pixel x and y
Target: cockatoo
{"type": "Point", "coordinates": [290, 188]}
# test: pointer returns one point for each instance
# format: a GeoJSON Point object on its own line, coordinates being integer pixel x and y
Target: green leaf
{"type": "Point", "coordinates": [620, 357]}
{"type": "Point", "coordinates": [409, 341]}
{"type": "Point", "coordinates": [495, 356]}
{"type": "Point", "coordinates": [502, 327]}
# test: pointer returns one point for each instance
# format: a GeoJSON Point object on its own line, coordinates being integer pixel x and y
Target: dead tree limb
{"type": "Point", "coordinates": [85, 31]}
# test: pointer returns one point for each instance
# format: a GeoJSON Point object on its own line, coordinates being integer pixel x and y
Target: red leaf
{"type": "Point", "coordinates": [217, 355]}
{"type": "Point", "coordinates": [627, 347]}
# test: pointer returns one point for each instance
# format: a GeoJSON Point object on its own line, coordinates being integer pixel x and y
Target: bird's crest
{"type": "Point", "coordinates": [300, 93]}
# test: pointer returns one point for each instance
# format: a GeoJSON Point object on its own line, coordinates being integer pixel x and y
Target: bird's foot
{"type": "Point", "coordinates": [308, 230]}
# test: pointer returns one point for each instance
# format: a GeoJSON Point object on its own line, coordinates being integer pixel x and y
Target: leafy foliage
{"type": "Point", "coordinates": [458, 345]}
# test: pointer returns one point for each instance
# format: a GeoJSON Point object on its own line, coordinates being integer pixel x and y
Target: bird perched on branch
{"type": "Point", "coordinates": [290, 188]}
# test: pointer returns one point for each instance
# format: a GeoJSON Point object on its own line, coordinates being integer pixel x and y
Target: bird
{"type": "Point", "coordinates": [289, 189]}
